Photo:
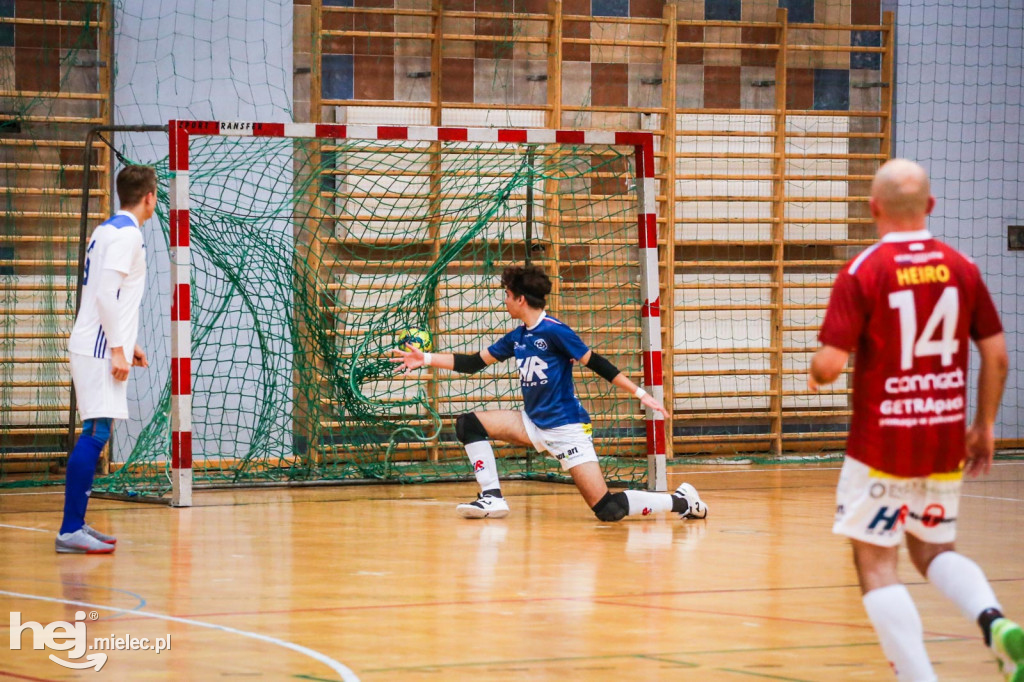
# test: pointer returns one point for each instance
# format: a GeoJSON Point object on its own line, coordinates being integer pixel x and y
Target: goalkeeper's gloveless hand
{"type": "Point", "coordinates": [650, 401]}
{"type": "Point", "coordinates": [407, 360]}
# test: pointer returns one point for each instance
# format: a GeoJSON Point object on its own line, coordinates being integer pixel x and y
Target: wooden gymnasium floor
{"type": "Point", "coordinates": [386, 583]}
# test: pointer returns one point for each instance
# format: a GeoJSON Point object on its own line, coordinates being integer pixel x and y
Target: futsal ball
{"type": "Point", "coordinates": [414, 338]}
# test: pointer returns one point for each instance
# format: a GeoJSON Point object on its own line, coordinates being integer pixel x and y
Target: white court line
{"type": "Point", "coordinates": [54, 492]}
{"type": "Point", "coordinates": [38, 530]}
{"type": "Point", "coordinates": [990, 497]}
{"type": "Point", "coordinates": [346, 674]}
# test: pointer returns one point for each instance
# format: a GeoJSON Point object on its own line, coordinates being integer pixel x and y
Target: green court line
{"type": "Point", "coordinates": [932, 640]}
{"type": "Point", "coordinates": [764, 675]}
{"type": "Point", "coordinates": [660, 657]}
{"type": "Point", "coordinates": [314, 679]}
{"type": "Point", "coordinates": [517, 661]}
{"type": "Point", "coordinates": [520, 661]}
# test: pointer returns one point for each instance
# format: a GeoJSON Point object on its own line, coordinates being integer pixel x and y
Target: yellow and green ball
{"type": "Point", "coordinates": [414, 338]}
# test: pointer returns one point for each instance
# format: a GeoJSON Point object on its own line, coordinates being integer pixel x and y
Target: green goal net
{"type": "Point", "coordinates": [310, 257]}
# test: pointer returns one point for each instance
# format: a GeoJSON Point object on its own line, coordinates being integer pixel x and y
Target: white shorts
{"type": "Point", "coordinates": [98, 394]}
{"type": "Point", "coordinates": [877, 508]}
{"type": "Point", "coordinates": [571, 444]}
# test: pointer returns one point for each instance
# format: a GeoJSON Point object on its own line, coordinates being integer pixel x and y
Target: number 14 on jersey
{"type": "Point", "coordinates": [945, 314]}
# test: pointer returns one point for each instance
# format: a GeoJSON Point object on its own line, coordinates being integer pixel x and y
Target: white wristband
{"type": "Point", "coordinates": [640, 393]}
{"type": "Point", "coordinates": [426, 359]}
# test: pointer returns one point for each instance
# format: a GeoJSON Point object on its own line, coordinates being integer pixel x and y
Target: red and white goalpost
{"type": "Point", "coordinates": [647, 239]}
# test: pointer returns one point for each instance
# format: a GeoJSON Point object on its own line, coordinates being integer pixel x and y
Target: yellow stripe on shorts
{"type": "Point", "coordinates": [946, 477]}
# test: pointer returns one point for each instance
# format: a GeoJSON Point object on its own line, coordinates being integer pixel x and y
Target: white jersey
{"type": "Point", "coordinates": [115, 245]}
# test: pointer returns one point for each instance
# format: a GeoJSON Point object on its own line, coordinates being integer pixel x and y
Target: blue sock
{"type": "Point", "coordinates": [81, 467]}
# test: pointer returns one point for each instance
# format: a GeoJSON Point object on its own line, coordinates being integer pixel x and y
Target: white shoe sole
{"type": "Point", "coordinates": [65, 549]}
{"type": "Point", "coordinates": [468, 511]}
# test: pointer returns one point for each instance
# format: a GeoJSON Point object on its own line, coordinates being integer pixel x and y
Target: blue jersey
{"type": "Point", "coordinates": [544, 355]}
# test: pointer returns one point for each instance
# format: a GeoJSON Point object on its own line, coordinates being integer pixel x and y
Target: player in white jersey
{"type": "Point", "coordinates": [102, 347]}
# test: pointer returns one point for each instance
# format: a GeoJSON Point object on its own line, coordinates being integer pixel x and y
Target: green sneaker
{"type": "Point", "coordinates": [1008, 643]}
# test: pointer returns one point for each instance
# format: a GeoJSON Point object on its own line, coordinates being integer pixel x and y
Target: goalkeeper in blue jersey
{"type": "Point", "coordinates": [553, 419]}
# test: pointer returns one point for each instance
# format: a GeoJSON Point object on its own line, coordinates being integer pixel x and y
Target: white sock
{"type": "Point", "coordinates": [481, 457]}
{"type": "Point", "coordinates": [964, 583]}
{"type": "Point", "coordinates": [643, 503]}
{"type": "Point", "coordinates": [900, 632]}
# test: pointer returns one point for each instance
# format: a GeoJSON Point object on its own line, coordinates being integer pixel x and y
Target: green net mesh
{"type": "Point", "coordinates": [309, 259]}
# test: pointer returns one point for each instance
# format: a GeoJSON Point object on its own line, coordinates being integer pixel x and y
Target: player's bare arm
{"type": "Point", "coordinates": [607, 371]}
{"type": "Point", "coordinates": [139, 357]}
{"type": "Point", "coordinates": [826, 366]}
{"type": "Point", "coordinates": [995, 365]}
{"type": "Point", "coordinates": [415, 358]}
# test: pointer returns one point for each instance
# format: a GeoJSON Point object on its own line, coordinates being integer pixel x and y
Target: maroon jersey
{"type": "Point", "coordinates": [908, 307]}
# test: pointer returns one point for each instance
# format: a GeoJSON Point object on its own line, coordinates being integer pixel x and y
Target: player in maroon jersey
{"type": "Point", "coordinates": [908, 306]}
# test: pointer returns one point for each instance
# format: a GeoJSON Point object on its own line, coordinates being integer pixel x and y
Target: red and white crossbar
{"type": "Point", "coordinates": [181, 333]}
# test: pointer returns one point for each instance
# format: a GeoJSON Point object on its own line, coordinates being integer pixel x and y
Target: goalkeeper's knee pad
{"type": "Point", "coordinates": [468, 429]}
{"type": "Point", "coordinates": [612, 507]}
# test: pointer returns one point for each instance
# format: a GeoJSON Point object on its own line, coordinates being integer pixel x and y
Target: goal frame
{"type": "Point", "coordinates": [181, 131]}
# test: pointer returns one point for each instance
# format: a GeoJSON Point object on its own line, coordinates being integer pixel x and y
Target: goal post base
{"type": "Point", "coordinates": [657, 476]}
{"type": "Point", "coordinates": [181, 487]}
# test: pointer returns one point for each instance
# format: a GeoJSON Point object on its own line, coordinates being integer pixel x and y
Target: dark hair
{"type": "Point", "coordinates": [529, 281]}
{"type": "Point", "coordinates": [134, 183]}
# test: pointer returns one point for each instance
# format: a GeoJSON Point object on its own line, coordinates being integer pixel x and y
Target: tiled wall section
{"type": "Point", "coordinates": [513, 73]}
{"type": "Point", "coordinates": [6, 30]}
{"type": "Point", "coordinates": [38, 48]}
{"type": "Point", "coordinates": [42, 55]}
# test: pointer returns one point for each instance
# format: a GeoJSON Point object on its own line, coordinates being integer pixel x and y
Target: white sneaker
{"type": "Point", "coordinates": [81, 542]}
{"type": "Point", "coordinates": [102, 537]}
{"type": "Point", "coordinates": [484, 507]}
{"type": "Point", "coordinates": [697, 510]}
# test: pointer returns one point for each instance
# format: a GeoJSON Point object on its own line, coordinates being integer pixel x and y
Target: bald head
{"type": "Point", "coordinates": [901, 195]}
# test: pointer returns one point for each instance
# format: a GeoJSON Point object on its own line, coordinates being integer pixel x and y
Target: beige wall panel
{"type": "Point", "coordinates": [722, 329]}
{"type": "Point", "coordinates": [526, 91]}
{"type": "Point", "coordinates": [412, 89]}
{"type": "Point", "coordinates": [492, 81]}
{"type": "Point", "coordinates": [760, 96]}
{"type": "Point", "coordinates": [644, 94]}
{"type": "Point", "coordinates": [727, 232]}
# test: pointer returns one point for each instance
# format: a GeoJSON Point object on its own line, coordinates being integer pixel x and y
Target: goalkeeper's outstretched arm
{"type": "Point", "coordinates": [606, 370]}
{"type": "Point", "coordinates": [414, 358]}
